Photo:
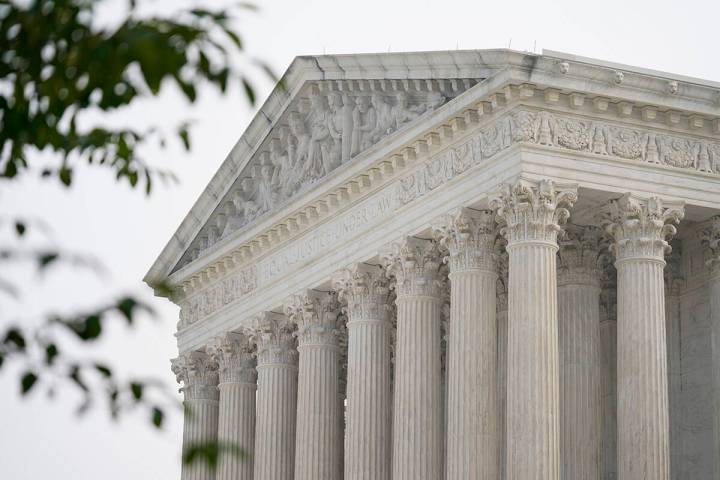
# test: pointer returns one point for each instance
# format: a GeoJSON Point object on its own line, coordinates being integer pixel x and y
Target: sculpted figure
{"type": "Point", "coordinates": [267, 190]}
{"type": "Point", "coordinates": [340, 126]}
{"type": "Point", "coordinates": [383, 112]}
{"type": "Point", "coordinates": [320, 139]}
{"type": "Point", "coordinates": [599, 139]}
{"type": "Point", "coordinates": [435, 99]}
{"type": "Point", "coordinates": [284, 169]}
{"type": "Point", "coordinates": [298, 146]}
{"type": "Point", "coordinates": [401, 112]}
{"type": "Point", "coordinates": [246, 210]}
{"type": "Point", "coordinates": [364, 122]}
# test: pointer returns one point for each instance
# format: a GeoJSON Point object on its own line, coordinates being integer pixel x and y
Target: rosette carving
{"type": "Point", "coordinates": [366, 289]}
{"type": "Point", "coordinates": [470, 238]}
{"type": "Point", "coordinates": [533, 211]}
{"type": "Point", "coordinates": [415, 264]}
{"type": "Point", "coordinates": [273, 335]}
{"type": "Point", "coordinates": [579, 256]}
{"type": "Point", "coordinates": [235, 356]}
{"type": "Point", "coordinates": [317, 315]}
{"type": "Point", "coordinates": [639, 227]}
{"type": "Point", "coordinates": [710, 239]}
{"type": "Point", "coordinates": [198, 374]}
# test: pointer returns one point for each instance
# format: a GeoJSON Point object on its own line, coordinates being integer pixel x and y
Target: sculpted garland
{"type": "Point", "coordinates": [545, 128]}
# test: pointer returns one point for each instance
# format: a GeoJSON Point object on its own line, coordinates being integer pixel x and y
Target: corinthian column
{"type": "Point", "coordinates": [608, 336]}
{"type": "Point", "coordinates": [711, 240]}
{"type": "Point", "coordinates": [472, 406]}
{"type": "Point", "coordinates": [317, 447]}
{"type": "Point", "coordinates": [639, 231]}
{"type": "Point", "coordinates": [417, 410]}
{"type": "Point", "coordinates": [366, 289]}
{"type": "Point", "coordinates": [236, 424]}
{"type": "Point", "coordinates": [502, 326]}
{"type": "Point", "coordinates": [579, 347]}
{"type": "Point", "coordinates": [198, 374]}
{"type": "Point", "coordinates": [532, 212]}
{"type": "Point", "coordinates": [277, 372]}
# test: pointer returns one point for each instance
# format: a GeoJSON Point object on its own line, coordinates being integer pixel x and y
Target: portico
{"type": "Point", "coordinates": [516, 195]}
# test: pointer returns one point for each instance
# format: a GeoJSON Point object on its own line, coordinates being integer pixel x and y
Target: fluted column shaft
{"type": "Point", "coordinates": [198, 374]}
{"type": "Point", "coordinates": [472, 404]}
{"type": "Point", "coordinates": [533, 212]}
{"type": "Point", "coordinates": [502, 326]}
{"type": "Point", "coordinates": [711, 241]}
{"type": "Point", "coordinates": [368, 374]}
{"type": "Point", "coordinates": [276, 399]}
{"type": "Point", "coordinates": [608, 333]}
{"type": "Point", "coordinates": [236, 421]}
{"type": "Point", "coordinates": [417, 412]}
{"type": "Point", "coordinates": [579, 347]}
{"type": "Point", "coordinates": [317, 446]}
{"type": "Point", "coordinates": [638, 229]}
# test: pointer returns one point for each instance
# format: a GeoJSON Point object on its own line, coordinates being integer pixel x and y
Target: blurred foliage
{"type": "Point", "coordinates": [62, 72]}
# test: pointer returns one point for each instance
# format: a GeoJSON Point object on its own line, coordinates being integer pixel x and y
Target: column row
{"type": "Point", "coordinates": [524, 396]}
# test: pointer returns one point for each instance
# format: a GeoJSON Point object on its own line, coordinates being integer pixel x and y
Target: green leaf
{"type": "Point", "coordinates": [104, 371]}
{"type": "Point", "coordinates": [136, 389]}
{"type": "Point", "coordinates": [20, 228]}
{"type": "Point", "coordinates": [185, 137]}
{"type": "Point", "coordinates": [28, 382]}
{"type": "Point", "coordinates": [249, 91]}
{"type": "Point", "coordinates": [51, 352]}
{"type": "Point", "coordinates": [126, 307]}
{"type": "Point", "coordinates": [65, 175]}
{"type": "Point", "coordinates": [16, 338]}
{"type": "Point", "coordinates": [45, 259]}
{"type": "Point", "coordinates": [157, 417]}
{"type": "Point", "coordinates": [76, 377]}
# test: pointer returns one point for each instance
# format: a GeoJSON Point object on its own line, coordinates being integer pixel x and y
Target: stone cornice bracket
{"type": "Point", "coordinates": [317, 315]}
{"type": "Point", "coordinates": [639, 226]}
{"type": "Point", "coordinates": [470, 236]}
{"type": "Point", "coordinates": [533, 211]}
{"type": "Point", "coordinates": [198, 374]}
{"type": "Point", "coordinates": [235, 355]}
{"type": "Point", "coordinates": [710, 239]}
{"type": "Point", "coordinates": [273, 334]}
{"type": "Point", "coordinates": [579, 255]}
{"type": "Point", "coordinates": [366, 289]}
{"type": "Point", "coordinates": [415, 264]}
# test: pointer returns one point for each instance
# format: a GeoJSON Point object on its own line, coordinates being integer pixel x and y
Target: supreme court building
{"type": "Point", "coordinates": [458, 265]}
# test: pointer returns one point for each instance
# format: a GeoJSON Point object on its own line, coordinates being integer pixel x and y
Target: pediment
{"type": "Point", "coordinates": [326, 125]}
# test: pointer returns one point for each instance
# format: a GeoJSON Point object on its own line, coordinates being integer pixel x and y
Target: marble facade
{"type": "Point", "coordinates": [458, 265]}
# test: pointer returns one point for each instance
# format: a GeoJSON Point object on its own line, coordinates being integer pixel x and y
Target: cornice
{"type": "Point", "coordinates": [642, 95]}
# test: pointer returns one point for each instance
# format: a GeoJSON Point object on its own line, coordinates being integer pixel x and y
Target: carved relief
{"type": "Point", "coordinates": [198, 374]}
{"type": "Point", "coordinates": [579, 256]}
{"type": "Point", "coordinates": [710, 239]}
{"type": "Point", "coordinates": [338, 121]}
{"type": "Point", "coordinates": [470, 238]}
{"type": "Point", "coordinates": [208, 301]}
{"type": "Point", "coordinates": [415, 264]}
{"type": "Point", "coordinates": [235, 356]}
{"type": "Point", "coordinates": [545, 128]}
{"type": "Point", "coordinates": [273, 335]}
{"type": "Point", "coordinates": [317, 316]}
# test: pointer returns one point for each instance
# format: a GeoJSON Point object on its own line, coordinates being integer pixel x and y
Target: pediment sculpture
{"type": "Point", "coordinates": [333, 122]}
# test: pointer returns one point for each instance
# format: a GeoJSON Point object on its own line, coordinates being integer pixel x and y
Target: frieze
{"type": "Point", "coordinates": [568, 133]}
{"type": "Point", "coordinates": [327, 236]}
{"type": "Point", "coordinates": [206, 302]}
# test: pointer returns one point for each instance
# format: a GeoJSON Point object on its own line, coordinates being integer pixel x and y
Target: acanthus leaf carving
{"type": "Point", "coordinates": [198, 374]}
{"type": "Point", "coordinates": [273, 334]}
{"type": "Point", "coordinates": [579, 255]}
{"type": "Point", "coordinates": [639, 227]}
{"type": "Point", "coordinates": [366, 289]}
{"type": "Point", "coordinates": [710, 239]}
{"type": "Point", "coordinates": [470, 237]}
{"type": "Point", "coordinates": [415, 264]}
{"type": "Point", "coordinates": [235, 356]}
{"type": "Point", "coordinates": [533, 211]}
{"type": "Point", "coordinates": [317, 316]}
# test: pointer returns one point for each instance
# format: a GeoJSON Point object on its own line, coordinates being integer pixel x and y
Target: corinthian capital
{"type": "Point", "coordinates": [198, 374]}
{"type": "Point", "coordinates": [580, 256]}
{"type": "Point", "coordinates": [533, 211]}
{"type": "Point", "coordinates": [470, 237]}
{"type": "Point", "coordinates": [710, 239]}
{"type": "Point", "coordinates": [639, 227]}
{"type": "Point", "coordinates": [366, 288]}
{"type": "Point", "coordinates": [415, 264]}
{"type": "Point", "coordinates": [316, 315]}
{"type": "Point", "coordinates": [273, 335]}
{"type": "Point", "coordinates": [235, 356]}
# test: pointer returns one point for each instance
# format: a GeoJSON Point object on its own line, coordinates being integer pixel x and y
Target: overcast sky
{"type": "Point", "coordinates": [42, 439]}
